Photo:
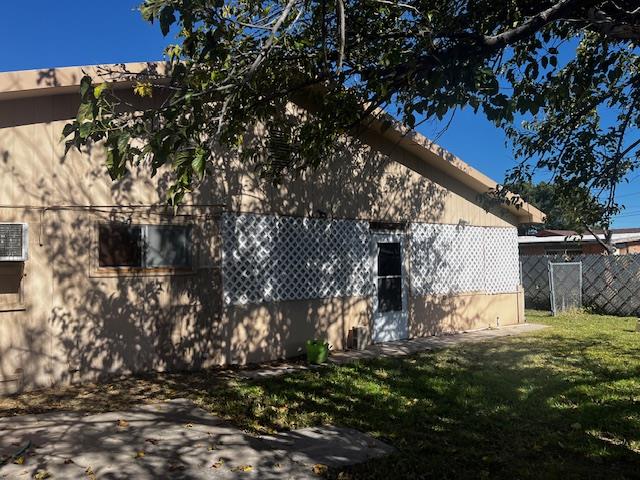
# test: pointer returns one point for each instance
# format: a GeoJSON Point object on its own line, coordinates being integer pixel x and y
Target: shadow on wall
{"type": "Point", "coordinates": [438, 314]}
{"type": "Point", "coordinates": [80, 324]}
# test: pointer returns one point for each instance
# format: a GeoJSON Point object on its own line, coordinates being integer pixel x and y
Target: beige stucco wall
{"type": "Point", "coordinates": [435, 314]}
{"type": "Point", "coordinates": [280, 329]}
{"type": "Point", "coordinates": [61, 320]}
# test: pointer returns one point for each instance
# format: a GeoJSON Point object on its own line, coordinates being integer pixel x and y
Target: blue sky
{"type": "Point", "coordinates": [45, 33]}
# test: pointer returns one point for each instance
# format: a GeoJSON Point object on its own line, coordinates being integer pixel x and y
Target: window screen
{"type": "Point", "coordinates": [389, 259]}
{"type": "Point", "coordinates": [389, 277]}
{"type": "Point", "coordinates": [390, 294]}
{"type": "Point", "coordinates": [144, 246]}
{"type": "Point", "coordinates": [167, 246]}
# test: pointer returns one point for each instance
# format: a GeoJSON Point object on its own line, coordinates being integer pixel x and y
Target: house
{"type": "Point", "coordinates": [101, 278]}
{"type": "Point", "coordinates": [570, 243]}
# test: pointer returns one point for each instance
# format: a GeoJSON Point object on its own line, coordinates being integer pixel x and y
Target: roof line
{"type": "Point", "coordinates": [33, 83]}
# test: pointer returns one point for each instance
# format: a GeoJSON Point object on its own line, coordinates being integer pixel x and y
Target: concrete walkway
{"type": "Point", "coordinates": [171, 440]}
{"type": "Point", "coordinates": [398, 348]}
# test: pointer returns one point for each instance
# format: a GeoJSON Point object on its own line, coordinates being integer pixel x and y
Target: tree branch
{"type": "Point", "coordinates": [608, 247]}
{"type": "Point", "coordinates": [342, 35]}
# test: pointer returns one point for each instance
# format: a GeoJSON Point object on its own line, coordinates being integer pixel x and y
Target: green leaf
{"type": "Point", "coordinates": [167, 18]}
{"type": "Point", "coordinates": [143, 89]}
{"type": "Point", "coordinates": [99, 89]}
{"type": "Point", "coordinates": [198, 163]}
{"type": "Point", "coordinates": [109, 162]}
{"type": "Point", "coordinates": [68, 129]}
{"type": "Point", "coordinates": [85, 85]}
{"type": "Point", "coordinates": [123, 141]}
{"type": "Point", "coordinates": [85, 113]}
{"type": "Point", "coordinates": [147, 12]}
{"type": "Point", "coordinates": [182, 157]}
{"type": "Point", "coordinates": [85, 129]}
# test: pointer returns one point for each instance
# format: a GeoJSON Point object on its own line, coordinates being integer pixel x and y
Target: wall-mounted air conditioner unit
{"type": "Point", "coordinates": [14, 242]}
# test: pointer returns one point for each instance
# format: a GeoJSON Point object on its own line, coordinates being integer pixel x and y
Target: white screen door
{"type": "Point", "coordinates": [390, 297]}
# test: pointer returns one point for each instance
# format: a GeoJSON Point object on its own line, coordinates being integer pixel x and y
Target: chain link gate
{"type": "Point", "coordinates": [565, 280]}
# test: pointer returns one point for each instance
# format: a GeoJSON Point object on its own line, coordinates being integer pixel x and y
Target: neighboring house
{"type": "Point", "coordinates": [570, 243]}
{"type": "Point", "coordinates": [101, 278]}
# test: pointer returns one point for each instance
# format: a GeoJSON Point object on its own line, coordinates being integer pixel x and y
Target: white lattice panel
{"type": "Point", "coordinates": [502, 273]}
{"type": "Point", "coordinates": [269, 258]}
{"type": "Point", "coordinates": [446, 259]}
{"type": "Point", "coordinates": [449, 259]}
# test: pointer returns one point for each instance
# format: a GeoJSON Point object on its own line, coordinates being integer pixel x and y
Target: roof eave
{"type": "Point", "coordinates": [437, 157]}
{"type": "Point", "coordinates": [53, 81]}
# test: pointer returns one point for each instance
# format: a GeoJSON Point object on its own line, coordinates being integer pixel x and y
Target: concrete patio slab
{"type": "Point", "coordinates": [171, 440]}
{"type": "Point", "coordinates": [415, 345]}
{"type": "Point", "coordinates": [397, 348]}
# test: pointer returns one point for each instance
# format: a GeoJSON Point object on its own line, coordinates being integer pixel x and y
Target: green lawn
{"type": "Point", "coordinates": [563, 402]}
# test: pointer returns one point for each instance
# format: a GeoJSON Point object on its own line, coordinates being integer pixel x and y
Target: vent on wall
{"type": "Point", "coordinates": [13, 242]}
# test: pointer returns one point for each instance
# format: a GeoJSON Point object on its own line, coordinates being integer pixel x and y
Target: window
{"type": "Point", "coordinates": [122, 245]}
{"type": "Point", "coordinates": [167, 246]}
{"type": "Point", "coordinates": [389, 277]}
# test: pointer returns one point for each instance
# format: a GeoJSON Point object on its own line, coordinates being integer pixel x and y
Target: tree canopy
{"type": "Point", "coordinates": [576, 211]}
{"type": "Point", "coordinates": [560, 76]}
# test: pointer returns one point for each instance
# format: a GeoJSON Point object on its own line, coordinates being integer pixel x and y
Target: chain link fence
{"type": "Point", "coordinates": [610, 283]}
{"type": "Point", "coordinates": [566, 286]}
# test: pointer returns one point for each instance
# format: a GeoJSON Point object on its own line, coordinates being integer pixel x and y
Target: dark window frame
{"type": "Point", "coordinates": [144, 267]}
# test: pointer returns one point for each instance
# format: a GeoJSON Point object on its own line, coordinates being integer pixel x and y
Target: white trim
{"type": "Point", "coordinates": [587, 238]}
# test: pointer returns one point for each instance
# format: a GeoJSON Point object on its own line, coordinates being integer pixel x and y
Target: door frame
{"type": "Point", "coordinates": [399, 317]}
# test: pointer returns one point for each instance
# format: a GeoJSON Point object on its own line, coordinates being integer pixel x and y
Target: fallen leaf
{"type": "Point", "coordinates": [41, 475]}
{"type": "Point", "coordinates": [122, 423]}
{"type": "Point", "coordinates": [89, 473]}
{"type": "Point", "coordinates": [320, 469]}
{"type": "Point", "coordinates": [139, 454]}
{"type": "Point", "coordinates": [19, 460]}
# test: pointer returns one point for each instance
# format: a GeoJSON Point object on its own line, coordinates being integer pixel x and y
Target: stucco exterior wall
{"type": "Point", "coordinates": [633, 247]}
{"type": "Point", "coordinates": [432, 315]}
{"type": "Point", "coordinates": [61, 320]}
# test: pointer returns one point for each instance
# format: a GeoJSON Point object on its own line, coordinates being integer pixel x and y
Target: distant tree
{"type": "Point", "coordinates": [565, 209]}
{"type": "Point", "coordinates": [238, 63]}
{"type": "Point", "coordinates": [543, 196]}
